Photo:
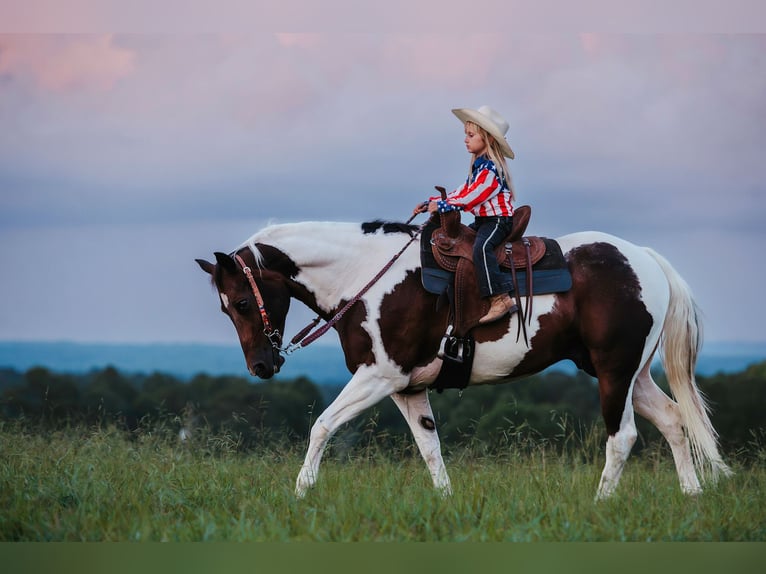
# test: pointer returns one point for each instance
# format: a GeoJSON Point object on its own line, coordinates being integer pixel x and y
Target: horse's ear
{"type": "Point", "coordinates": [226, 262]}
{"type": "Point", "coordinates": [206, 266]}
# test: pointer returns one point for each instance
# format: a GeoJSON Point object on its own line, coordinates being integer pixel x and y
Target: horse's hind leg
{"type": "Point", "coordinates": [654, 405]}
{"type": "Point", "coordinates": [617, 411]}
{"type": "Point", "coordinates": [416, 409]}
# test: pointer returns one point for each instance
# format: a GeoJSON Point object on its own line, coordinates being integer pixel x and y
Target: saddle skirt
{"type": "Point", "coordinates": [536, 266]}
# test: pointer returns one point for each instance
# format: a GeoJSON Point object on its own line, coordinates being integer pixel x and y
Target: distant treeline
{"type": "Point", "coordinates": [546, 406]}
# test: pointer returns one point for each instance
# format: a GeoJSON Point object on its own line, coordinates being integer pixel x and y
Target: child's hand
{"type": "Point", "coordinates": [420, 208]}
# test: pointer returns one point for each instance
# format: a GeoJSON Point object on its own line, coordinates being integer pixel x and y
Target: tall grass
{"type": "Point", "coordinates": [103, 484]}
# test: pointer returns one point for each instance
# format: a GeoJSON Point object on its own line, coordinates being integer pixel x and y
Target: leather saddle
{"type": "Point", "coordinates": [453, 241]}
{"type": "Point", "coordinates": [451, 248]}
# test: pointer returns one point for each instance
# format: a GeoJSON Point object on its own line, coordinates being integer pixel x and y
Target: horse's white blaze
{"type": "Point", "coordinates": [224, 300]}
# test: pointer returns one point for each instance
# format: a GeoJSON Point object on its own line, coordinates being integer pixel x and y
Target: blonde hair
{"type": "Point", "coordinates": [495, 154]}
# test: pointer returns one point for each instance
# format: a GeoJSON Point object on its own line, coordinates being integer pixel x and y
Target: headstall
{"type": "Point", "coordinates": [272, 334]}
{"type": "Point", "coordinates": [305, 337]}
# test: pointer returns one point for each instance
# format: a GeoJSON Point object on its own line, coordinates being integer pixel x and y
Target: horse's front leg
{"type": "Point", "coordinates": [367, 387]}
{"type": "Point", "coordinates": [416, 409]}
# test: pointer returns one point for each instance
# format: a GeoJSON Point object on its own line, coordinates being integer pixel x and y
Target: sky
{"type": "Point", "coordinates": [123, 157]}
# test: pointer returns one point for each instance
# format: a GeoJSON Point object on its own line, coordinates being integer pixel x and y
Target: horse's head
{"type": "Point", "coordinates": [258, 328]}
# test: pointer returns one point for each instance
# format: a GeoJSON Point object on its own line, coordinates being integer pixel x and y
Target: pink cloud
{"type": "Point", "coordinates": [590, 43]}
{"type": "Point", "coordinates": [61, 63]}
{"type": "Point", "coordinates": [442, 59]}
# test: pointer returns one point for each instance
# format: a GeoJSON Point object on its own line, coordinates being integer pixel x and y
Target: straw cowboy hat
{"type": "Point", "coordinates": [491, 121]}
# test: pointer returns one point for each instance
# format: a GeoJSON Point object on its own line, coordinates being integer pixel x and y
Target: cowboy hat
{"type": "Point", "coordinates": [491, 121]}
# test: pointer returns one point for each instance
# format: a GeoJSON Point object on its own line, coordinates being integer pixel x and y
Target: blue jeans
{"type": "Point", "coordinates": [490, 232]}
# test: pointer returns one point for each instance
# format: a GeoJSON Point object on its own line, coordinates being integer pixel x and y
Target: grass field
{"type": "Point", "coordinates": [100, 484]}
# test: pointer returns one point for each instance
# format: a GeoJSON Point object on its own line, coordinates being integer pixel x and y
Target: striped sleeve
{"type": "Point", "coordinates": [485, 186]}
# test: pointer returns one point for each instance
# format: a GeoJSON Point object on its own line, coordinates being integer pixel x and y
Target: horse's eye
{"type": "Point", "coordinates": [242, 305]}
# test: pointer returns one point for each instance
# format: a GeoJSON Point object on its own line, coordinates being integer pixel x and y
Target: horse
{"type": "Point", "coordinates": [626, 303]}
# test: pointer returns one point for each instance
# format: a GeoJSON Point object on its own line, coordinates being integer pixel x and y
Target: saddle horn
{"type": "Point", "coordinates": [451, 219]}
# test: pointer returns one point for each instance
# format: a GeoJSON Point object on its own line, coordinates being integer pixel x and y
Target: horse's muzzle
{"type": "Point", "coordinates": [262, 370]}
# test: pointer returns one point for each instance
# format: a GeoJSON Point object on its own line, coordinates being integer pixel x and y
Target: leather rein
{"type": "Point", "coordinates": [303, 338]}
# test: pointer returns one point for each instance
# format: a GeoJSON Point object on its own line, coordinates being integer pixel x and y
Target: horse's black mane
{"type": "Point", "coordinates": [388, 227]}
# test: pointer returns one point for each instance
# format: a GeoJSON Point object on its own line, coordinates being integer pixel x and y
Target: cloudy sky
{"type": "Point", "coordinates": [124, 157]}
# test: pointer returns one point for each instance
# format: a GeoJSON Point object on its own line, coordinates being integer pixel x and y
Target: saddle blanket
{"type": "Point", "coordinates": [550, 274]}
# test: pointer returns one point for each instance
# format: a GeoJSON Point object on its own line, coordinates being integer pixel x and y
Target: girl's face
{"type": "Point", "coordinates": [474, 141]}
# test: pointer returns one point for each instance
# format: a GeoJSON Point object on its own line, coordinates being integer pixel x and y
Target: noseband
{"type": "Point", "coordinates": [273, 335]}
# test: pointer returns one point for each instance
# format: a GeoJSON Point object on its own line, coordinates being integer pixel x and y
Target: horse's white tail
{"type": "Point", "coordinates": [680, 346]}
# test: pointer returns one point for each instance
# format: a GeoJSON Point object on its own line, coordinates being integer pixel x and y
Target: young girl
{"type": "Point", "coordinates": [488, 194]}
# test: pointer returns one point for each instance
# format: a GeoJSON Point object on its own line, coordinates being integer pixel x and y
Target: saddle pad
{"type": "Point", "coordinates": [545, 281]}
{"type": "Point", "coordinates": [550, 274]}
{"type": "Point", "coordinates": [437, 280]}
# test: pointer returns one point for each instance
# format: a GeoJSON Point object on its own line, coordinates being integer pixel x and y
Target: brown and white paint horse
{"type": "Point", "coordinates": [625, 303]}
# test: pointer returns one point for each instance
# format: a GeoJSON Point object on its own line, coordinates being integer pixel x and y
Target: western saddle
{"type": "Point", "coordinates": [452, 248]}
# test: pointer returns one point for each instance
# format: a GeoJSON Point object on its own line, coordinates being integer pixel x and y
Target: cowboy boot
{"type": "Point", "coordinates": [500, 306]}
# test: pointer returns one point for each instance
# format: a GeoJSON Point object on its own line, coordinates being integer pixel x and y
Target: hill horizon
{"type": "Point", "coordinates": [323, 364]}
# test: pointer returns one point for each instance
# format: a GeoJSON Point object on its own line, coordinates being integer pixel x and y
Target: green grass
{"type": "Point", "coordinates": [100, 484]}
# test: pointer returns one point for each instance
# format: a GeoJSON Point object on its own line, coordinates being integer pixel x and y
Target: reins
{"type": "Point", "coordinates": [303, 338]}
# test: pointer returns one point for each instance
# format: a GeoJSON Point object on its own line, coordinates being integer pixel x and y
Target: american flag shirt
{"type": "Point", "coordinates": [485, 193]}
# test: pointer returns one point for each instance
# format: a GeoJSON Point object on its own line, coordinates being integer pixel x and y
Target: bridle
{"type": "Point", "coordinates": [273, 335]}
{"type": "Point", "coordinates": [303, 338]}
